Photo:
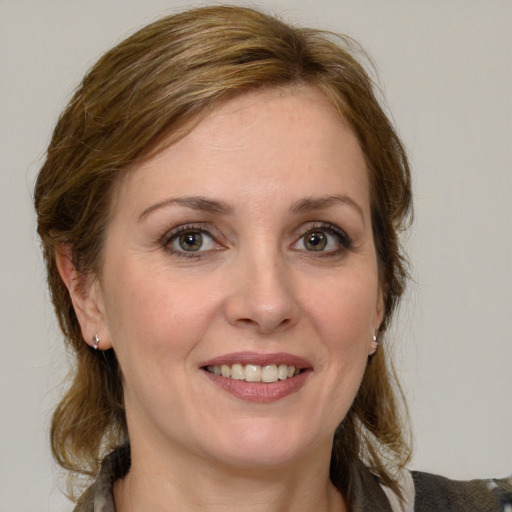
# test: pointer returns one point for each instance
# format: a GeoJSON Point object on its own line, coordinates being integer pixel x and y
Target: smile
{"type": "Point", "coordinates": [257, 377]}
{"type": "Point", "coordinates": [254, 372]}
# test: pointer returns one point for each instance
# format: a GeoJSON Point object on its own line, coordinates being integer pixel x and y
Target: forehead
{"type": "Point", "coordinates": [263, 142]}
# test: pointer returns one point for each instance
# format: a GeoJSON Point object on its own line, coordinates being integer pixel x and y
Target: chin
{"type": "Point", "coordinates": [266, 445]}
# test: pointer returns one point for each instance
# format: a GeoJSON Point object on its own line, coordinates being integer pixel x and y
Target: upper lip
{"type": "Point", "coordinates": [259, 359]}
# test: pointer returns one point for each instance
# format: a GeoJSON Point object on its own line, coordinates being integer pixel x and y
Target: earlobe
{"type": "Point", "coordinates": [374, 345]}
{"type": "Point", "coordinates": [86, 298]}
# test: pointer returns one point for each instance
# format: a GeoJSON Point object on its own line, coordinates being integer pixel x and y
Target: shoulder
{"type": "Point", "coordinates": [435, 493]}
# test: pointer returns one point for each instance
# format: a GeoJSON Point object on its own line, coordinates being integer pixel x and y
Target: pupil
{"type": "Point", "coordinates": [316, 241]}
{"type": "Point", "coordinates": [191, 241]}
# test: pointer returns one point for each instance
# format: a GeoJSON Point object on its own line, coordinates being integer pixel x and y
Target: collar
{"type": "Point", "coordinates": [367, 494]}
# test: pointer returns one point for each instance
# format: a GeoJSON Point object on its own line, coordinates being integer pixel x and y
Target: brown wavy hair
{"type": "Point", "coordinates": [142, 96]}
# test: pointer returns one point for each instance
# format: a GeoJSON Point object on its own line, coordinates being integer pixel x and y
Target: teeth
{"type": "Point", "coordinates": [237, 372]}
{"type": "Point", "coordinates": [269, 373]}
{"type": "Point", "coordinates": [252, 373]}
{"type": "Point", "coordinates": [255, 372]}
{"type": "Point", "coordinates": [282, 372]}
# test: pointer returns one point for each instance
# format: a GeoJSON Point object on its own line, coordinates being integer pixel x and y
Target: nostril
{"type": "Point", "coordinates": [265, 326]}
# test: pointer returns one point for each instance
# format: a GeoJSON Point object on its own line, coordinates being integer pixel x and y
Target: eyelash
{"type": "Point", "coordinates": [169, 237]}
{"type": "Point", "coordinates": [325, 227]}
{"type": "Point", "coordinates": [341, 237]}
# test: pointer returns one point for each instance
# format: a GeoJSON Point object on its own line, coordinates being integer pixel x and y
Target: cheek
{"type": "Point", "coordinates": [345, 313]}
{"type": "Point", "coordinates": [156, 319]}
{"type": "Point", "coordinates": [147, 312]}
{"type": "Point", "coordinates": [343, 321]}
{"type": "Point", "coordinates": [153, 329]}
{"type": "Point", "coordinates": [344, 318]}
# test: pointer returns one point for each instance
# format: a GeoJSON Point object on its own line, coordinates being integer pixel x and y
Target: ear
{"type": "Point", "coordinates": [85, 294]}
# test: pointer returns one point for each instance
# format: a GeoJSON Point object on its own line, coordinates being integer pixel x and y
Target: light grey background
{"type": "Point", "coordinates": [446, 67]}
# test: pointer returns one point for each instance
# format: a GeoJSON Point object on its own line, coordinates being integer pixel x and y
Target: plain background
{"type": "Point", "coordinates": [446, 70]}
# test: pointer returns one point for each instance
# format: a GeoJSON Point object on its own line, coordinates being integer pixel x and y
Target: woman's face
{"type": "Point", "coordinates": [244, 249]}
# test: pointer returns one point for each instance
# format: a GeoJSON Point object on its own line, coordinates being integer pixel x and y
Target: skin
{"type": "Point", "coordinates": [254, 286]}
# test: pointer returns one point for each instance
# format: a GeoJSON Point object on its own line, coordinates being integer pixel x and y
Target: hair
{"type": "Point", "coordinates": [142, 96]}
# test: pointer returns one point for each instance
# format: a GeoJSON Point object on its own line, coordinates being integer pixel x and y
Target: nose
{"type": "Point", "coordinates": [263, 295]}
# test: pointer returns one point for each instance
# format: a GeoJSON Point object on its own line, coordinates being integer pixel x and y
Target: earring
{"type": "Point", "coordinates": [375, 345]}
{"type": "Point", "coordinates": [96, 342]}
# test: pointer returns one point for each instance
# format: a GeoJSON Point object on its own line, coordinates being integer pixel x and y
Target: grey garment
{"type": "Point", "coordinates": [435, 493]}
{"type": "Point", "coordinates": [99, 497]}
{"type": "Point", "coordinates": [432, 493]}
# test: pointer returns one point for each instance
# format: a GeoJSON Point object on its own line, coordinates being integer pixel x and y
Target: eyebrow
{"type": "Point", "coordinates": [194, 202]}
{"type": "Point", "coordinates": [204, 204]}
{"type": "Point", "coordinates": [318, 203]}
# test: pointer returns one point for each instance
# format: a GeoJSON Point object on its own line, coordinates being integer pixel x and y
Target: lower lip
{"type": "Point", "coordinates": [261, 392]}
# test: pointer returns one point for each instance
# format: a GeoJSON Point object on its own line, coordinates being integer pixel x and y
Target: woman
{"type": "Point", "coordinates": [219, 211]}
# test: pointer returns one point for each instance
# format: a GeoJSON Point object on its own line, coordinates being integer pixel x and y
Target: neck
{"type": "Point", "coordinates": [161, 484]}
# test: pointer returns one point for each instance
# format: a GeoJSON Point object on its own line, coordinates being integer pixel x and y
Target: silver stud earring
{"type": "Point", "coordinates": [96, 342]}
{"type": "Point", "coordinates": [375, 345]}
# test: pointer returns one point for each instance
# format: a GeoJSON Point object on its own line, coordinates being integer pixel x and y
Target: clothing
{"type": "Point", "coordinates": [423, 492]}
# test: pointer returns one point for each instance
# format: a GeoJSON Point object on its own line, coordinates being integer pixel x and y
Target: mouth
{"type": "Point", "coordinates": [267, 373]}
{"type": "Point", "coordinates": [258, 377]}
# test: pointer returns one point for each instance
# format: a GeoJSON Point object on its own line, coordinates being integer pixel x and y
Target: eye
{"type": "Point", "coordinates": [315, 241]}
{"type": "Point", "coordinates": [189, 240]}
{"type": "Point", "coordinates": [325, 238]}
